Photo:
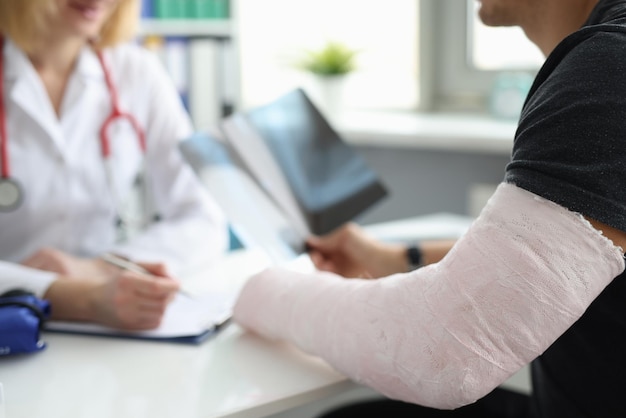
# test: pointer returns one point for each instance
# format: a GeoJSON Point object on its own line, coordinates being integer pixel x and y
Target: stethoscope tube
{"type": "Point", "coordinates": [121, 223]}
{"type": "Point", "coordinates": [4, 157]}
{"type": "Point", "coordinates": [11, 193]}
{"type": "Point", "coordinates": [116, 113]}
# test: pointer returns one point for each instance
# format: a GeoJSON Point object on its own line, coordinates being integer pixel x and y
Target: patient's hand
{"type": "Point", "coordinates": [350, 252]}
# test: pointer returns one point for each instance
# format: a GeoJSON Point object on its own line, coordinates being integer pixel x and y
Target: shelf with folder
{"type": "Point", "coordinates": [219, 29]}
{"type": "Point", "coordinates": [203, 62]}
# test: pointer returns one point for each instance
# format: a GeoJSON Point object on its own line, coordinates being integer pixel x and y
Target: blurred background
{"type": "Point", "coordinates": [425, 92]}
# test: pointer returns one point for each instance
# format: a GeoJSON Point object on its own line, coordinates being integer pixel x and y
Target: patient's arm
{"type": "Point", "coordinates": [447, 334]}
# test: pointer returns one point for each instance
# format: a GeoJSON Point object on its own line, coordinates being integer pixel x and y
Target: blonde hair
{"type": "Point", "coordinates": [25, 21]}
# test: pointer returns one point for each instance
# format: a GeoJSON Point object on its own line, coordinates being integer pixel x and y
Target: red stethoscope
{"type": "Point", "coordinates": [11, 192]}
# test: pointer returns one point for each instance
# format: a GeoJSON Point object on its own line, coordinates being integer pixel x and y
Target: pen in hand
{"type": "Point", "coordinates": [130, 266]}
{"type": "Point", "coordinates": [124, 264]}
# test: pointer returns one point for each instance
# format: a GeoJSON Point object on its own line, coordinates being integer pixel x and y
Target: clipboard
{"type": "Point", "coordinates": [186, 321]}
{"type": "Point", "coordinates": [188, 339]}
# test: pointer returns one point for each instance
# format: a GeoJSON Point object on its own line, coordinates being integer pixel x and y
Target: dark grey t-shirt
{"type": "Point", "coordinates": [570, 147]}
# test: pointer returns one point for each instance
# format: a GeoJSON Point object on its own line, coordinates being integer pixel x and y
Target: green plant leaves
{"type": "Point", "coordinates": [333, 59]}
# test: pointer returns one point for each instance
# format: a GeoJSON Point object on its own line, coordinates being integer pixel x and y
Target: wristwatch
{"type": "Point", "coordinates": [414, 257]}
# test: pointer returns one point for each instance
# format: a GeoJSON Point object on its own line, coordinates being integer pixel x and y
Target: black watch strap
{"type": "Point", "coordinates": [414, 257]}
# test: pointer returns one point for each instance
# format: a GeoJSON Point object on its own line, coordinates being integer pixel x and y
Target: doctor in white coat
{"type": "Point", "coordinates": [67, 170]}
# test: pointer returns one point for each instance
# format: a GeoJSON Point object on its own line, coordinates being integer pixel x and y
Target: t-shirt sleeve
{"type": "Point", "coordinates": [570, 146]}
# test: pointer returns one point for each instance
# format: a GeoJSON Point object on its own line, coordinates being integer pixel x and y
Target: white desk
{"type": "Point", "coordinates": [235, 374]}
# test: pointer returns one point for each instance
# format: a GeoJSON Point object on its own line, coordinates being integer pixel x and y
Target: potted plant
{"type": "Point", "coordinates": [332, 60]}
{"type": "Point", "coordinates": [328, 67]}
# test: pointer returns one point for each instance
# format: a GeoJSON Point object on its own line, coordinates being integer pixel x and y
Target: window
{"type": "Point", "coordinates": [498, 49]}
{"type": "Point", "coordinates": [467, 56]}
{"type": "Point", "coordinates": [272, 33]}
{"type": "Point", "coordinates": [414, 54]}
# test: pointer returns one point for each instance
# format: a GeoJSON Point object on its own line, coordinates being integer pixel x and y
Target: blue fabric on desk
{"type": "Point", "coordinates": [21, 320]}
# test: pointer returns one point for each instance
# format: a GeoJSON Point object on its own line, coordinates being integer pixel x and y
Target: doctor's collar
{"type": "Point", "coordinates": [16, 63]}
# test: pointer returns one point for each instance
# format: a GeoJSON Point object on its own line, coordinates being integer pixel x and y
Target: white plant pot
{"type": "Point", "coordinates": [327, 92]}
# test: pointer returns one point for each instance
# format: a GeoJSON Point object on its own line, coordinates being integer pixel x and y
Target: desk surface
{"type": "Point", "coordinates": [235, 374]}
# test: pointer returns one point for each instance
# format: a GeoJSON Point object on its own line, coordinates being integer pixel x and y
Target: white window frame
{"type": "Point", "coordinates": [448, 79]}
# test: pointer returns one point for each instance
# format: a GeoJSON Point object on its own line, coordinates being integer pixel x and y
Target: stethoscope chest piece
{"type": "Point", "coordinates": [11, 195]}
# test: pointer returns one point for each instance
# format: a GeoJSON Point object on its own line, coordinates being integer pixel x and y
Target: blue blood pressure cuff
{"type": "Point", "coordinates": [21, 319]}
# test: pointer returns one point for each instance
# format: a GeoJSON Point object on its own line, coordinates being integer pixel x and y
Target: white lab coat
{"type": "Point", "coordinates": [68, 203]}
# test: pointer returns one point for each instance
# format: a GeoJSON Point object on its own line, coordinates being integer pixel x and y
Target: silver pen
{"type": "Point", "coordinates": [130, 266]}
{"type": "Point", "coordinates": [123, 263]}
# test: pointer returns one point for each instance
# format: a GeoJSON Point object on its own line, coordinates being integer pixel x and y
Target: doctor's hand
{"type": "Point", "coordinates": [350, 252]}
{"type": "Point", "coordinates": [129, 301]}
{"type": "Point", "coordinates": [133, 301]}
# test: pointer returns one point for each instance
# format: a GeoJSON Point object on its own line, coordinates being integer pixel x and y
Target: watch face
{"type": "Point", "coordinates": [10, 195]}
